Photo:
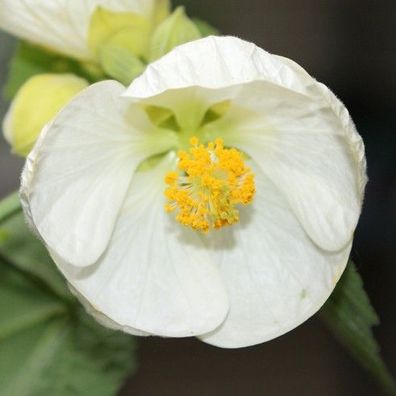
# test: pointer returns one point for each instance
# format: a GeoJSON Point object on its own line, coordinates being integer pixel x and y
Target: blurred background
{"type": "Point", "coordinates": [350, 46]}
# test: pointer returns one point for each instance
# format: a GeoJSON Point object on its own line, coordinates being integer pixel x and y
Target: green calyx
{"type": "Point", "coordinates": [177, 29]}
{"type": "Point", "coordinates": [124, 43]}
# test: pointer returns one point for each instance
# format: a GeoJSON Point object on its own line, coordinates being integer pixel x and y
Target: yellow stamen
{"type": "Point", "coordinates": [211, 181]}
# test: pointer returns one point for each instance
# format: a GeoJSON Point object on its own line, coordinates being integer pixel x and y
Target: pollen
{"type": "Point", "coordinates": [209, 184]}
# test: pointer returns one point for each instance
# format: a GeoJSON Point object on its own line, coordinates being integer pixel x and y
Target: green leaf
{"type": "Point", "coordinates": [27, 254]}
{"type": "Point", "coordinates": [49, 346]}
{"type": "Point", "coordinates": [29, 60]}
{"type": "Point", "coordinates": [18, 310]}
{"type": "Point", "coordinates": [350, 316]}
{"type": "Point", "coordinates": [23, 311]}
{"type": "Point", "coordinates": [91, 360]}
{"type": "Point", "coordinates": [9, 206]}
{"type": "Point", "coordinates": [205, 28]}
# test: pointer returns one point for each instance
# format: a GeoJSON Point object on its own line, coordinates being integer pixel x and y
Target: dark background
{"type": "Point", "coordinates": [350, 46]}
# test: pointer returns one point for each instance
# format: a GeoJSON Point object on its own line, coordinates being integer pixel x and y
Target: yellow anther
{"type": "Point", "coordinates": [194, 141]}
{"type": "Point", "coordinates": [211, 181]}
{"type": "Point", "coordinates": [171, 177]}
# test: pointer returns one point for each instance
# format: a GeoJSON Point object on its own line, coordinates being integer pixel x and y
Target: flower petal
{"type": "Point", "coordinates": [183, 83]}
{"type": "Point", "coordinates": [103, 319]}
{"type": "Point", "coordinates": [276, 277]}
{"type": "Point", "coordinates": [155, 276]}
{"type": "Point", "coordinates": [294, 127]}
{"type": "Point", "coordinates": [76, 177]}
{"type": "Point", "coordinates": [229, 62]}
{"type": "Point", "coordinates": [309, 148]}
{"type": "Point", "coordinates": [189, 105]}
{"type": "Point", "coordinates": [61, 25]}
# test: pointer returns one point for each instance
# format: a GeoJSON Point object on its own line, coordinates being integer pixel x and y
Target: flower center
{"type": "Point", "coordinates": [211, 180]}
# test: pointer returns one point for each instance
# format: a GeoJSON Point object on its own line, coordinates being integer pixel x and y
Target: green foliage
{"type": "Point", "coordinates": [91, 360]}
{"type": "Point", "coordinates": [9, 206]}
{"type": "Point", "coordinates": [119, 63]}
{"type": "Point", "coordinates": [350, 316]}
{"type": "Point", "coordinates": [28, 337]}
{"type": "Point", "coordinates": [29, 60]}
{"type": "Point", "coordinates": [28, 255]}
{"type": "Point", "coordinates": [48, 344]}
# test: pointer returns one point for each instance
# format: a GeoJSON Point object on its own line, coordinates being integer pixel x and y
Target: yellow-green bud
{"type": "Point", "coordinates": [161, 11]}
{"type": "Point", "coordinates": [175, 30]}
{"type": "Point", "coordinates": [120, 41]}
{"type": "Point", "coordinates": [119, 63]}
{"type": "Point", "coordinates": [126, 29]}
{"type": "Point", "coordinates": [35, 104]}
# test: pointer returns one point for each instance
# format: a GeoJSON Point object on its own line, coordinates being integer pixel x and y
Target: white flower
{"type": "Point", "coordinates": [63, 25]}
{"type": "Point", "coordinates": [98, 203]}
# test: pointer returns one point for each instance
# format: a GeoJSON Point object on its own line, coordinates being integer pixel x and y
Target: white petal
{"type": "Point", "coordinates": [214, 63]}
{"type": "Point", "coordinates": [61, 25]}
{"type": "Point", "coordinates": [184, 83]}
{"type": "Point", "coordinates": [294, 127]}
{"type": "Point", "coordinates": [309, 148]}
{"type": "Point", "coordinates": [76, 178]}
{"type": "Point", "coordinates": [276, 277]}
{"type": "Point", "coordinates": [103, 319]}
{"type": "Point", "coordinates": [154, 277]}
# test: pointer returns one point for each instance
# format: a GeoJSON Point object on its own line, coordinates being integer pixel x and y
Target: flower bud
{"type": "Point", "coordinates": [35, 104]}
{"type": "Point", "coordinates": [119, 63]}
{"type": "Point", "coordinates": [161, 11]}
{"type": "Point", "coordinates": [127, 29]}
{"type": "Point", "coordinates": [175, 30]}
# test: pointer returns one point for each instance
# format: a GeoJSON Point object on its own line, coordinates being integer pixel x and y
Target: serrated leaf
{"type": "Point", "coordinates": [350, 316]}
{"type": "Point", "coordinates": [26, 355]}
{"type": "Point", "coordinates": [29, 60]}
{"type": "Point", "coordinates": [23, 310]}
{"type": "Point", "coordinates": [51, 347]}
{"type": "Point", "coordinates": [91, 360]}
